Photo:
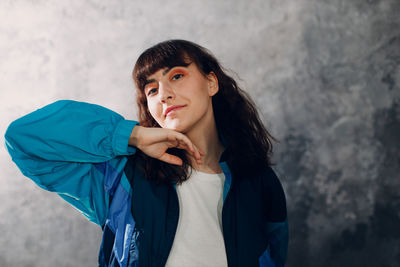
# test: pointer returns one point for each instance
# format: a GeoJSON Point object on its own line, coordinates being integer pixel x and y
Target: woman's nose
{"type": "Point", "coordinates": [165, 92]}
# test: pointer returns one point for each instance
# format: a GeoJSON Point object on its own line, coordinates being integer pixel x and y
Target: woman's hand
{"type": "Point", "coordinates": [154, 142]}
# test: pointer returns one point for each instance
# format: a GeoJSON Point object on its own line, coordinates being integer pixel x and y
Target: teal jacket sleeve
{"type": "Point", "coordinates": [61, 146]}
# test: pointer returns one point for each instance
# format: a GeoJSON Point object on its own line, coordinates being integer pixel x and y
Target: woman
{"type": "Point", "coordinates": [189, 184]}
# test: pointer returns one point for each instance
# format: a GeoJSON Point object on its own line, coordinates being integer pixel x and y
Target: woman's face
{"type": "Point", "coordinates": [187, 91]}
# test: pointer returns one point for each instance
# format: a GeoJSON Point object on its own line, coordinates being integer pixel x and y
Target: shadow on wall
{"type": "Point", "coordinates": [340, 160]}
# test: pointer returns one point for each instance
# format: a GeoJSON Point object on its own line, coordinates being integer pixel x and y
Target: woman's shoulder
{"type": "Point", "coordinates": [274, 193]}
{"type": "Point", "coordinates": [269, 176]}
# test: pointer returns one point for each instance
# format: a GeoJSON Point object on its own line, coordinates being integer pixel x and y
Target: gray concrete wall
{"type": "Point", "coordinates": [325, 75]}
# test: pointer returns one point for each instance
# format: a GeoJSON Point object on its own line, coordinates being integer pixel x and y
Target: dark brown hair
{"type": "Point", "coordinates": [247, 143]}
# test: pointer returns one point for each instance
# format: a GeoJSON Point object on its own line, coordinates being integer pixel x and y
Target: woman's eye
{"type": "Point", "coordinates": [177, 76]}
{"type": "Point", "coordinates": [150, 91]}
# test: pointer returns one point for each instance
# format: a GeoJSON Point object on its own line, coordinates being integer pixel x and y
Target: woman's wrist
{"type": "Point", "coordinates": [134, 138]}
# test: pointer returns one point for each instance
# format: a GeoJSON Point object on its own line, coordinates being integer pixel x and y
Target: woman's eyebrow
{"type": "Point", "coordinates": [167, 70]}
{"type": "Point", "coordinates": [148, 82]}
{"type": "Point", "coordinates": [163, 73]}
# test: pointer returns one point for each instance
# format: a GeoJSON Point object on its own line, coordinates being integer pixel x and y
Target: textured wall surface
{"type": "Point", "coordinates": [324, 74]}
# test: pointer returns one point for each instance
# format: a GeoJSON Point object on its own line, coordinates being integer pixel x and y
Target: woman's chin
{"type": "Point", "coordinates": [176, 128]}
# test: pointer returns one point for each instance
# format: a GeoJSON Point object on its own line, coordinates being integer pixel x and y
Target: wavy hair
{"type": "Point", "coordinates": [248, 145]}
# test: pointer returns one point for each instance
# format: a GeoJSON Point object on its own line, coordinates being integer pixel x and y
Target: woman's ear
{"type": "Point", "coordinates": [212, 84]}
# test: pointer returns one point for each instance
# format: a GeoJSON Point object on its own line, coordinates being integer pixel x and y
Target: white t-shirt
{"type": "Point", "coordinates": [199, 240]}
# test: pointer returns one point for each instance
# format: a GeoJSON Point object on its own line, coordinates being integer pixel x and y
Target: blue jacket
{"type": "Point", "coordinates": [80, 151]}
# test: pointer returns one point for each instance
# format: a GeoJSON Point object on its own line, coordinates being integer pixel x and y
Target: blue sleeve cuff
{"type": "Point", "coordinates": [121, 138]}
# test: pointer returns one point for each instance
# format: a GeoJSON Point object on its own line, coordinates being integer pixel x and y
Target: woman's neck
{"type": "Point", "coordinates": [205, 138]}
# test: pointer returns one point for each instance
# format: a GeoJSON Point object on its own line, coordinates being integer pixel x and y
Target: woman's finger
{"type": "Point", "coordinates": [181, 141]}
{"type": "Point", "coordinates": [192, 149]}
{"type": "Point", "coordinates": [189, 145]}
{"type": "Point", "coordinates": [171, 159]}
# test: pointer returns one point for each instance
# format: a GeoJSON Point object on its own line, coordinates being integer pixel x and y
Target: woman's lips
{"type": "Point", "coordinates": [172, 111]}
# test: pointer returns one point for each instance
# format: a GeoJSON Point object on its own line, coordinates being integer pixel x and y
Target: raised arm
{"type": "Point", "coordinates": [73, 148]}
